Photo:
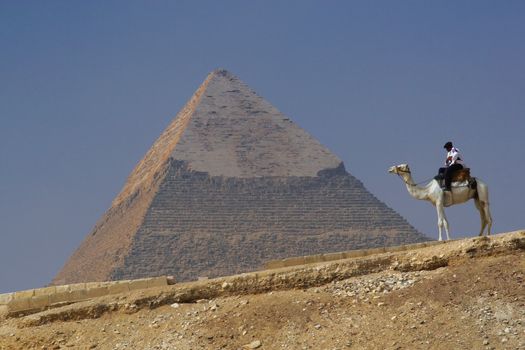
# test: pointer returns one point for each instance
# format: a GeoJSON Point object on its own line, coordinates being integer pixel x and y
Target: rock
{"type": "Point", "coordinates": [253, 345]}
{"type": "Point", "coordinates": [317, 326]}
{"type": "Point", "coordinates": [175, 305]}
{"type": "Point", "coordinates": [485, 342]}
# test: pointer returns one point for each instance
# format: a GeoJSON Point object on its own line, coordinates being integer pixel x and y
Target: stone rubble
{"type": "Point", "coordinates": [371, 286]}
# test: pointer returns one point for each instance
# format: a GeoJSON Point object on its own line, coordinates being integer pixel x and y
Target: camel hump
{"type": "Point", "coordinates": [461, 175]}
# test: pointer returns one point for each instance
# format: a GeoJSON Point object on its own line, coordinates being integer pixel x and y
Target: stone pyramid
{"type": "Point", "coordinates": [231, 183]}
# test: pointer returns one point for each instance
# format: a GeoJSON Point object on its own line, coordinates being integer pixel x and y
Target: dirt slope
{"type": "Point", "coordinates": [465, 294]}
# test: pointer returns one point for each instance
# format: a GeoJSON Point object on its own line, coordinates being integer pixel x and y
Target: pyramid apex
{"type": "Point", "coordinates": [222, 72]}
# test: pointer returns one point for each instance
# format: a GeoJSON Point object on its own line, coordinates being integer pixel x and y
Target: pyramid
{"type": "Point", "coordinates": [231, 183]}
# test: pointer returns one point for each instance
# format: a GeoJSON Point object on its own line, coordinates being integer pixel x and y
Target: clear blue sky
{"type": "Point", "coordinates": [87, 86]}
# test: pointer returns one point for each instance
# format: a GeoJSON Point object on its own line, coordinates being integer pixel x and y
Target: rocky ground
{"type": "Point", "coordinates": [466, 294]}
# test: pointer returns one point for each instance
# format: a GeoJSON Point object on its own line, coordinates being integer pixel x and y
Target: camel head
{"type": "Point", "coordinates": [397, 169]}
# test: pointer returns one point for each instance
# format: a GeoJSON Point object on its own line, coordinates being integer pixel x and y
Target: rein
{"type": "Point", "coordinates": [419, 183]}
{"type": "Point", "coordinates": [416, 184]}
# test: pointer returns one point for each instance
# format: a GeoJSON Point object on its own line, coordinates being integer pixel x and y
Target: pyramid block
{"type": "Point", "coordinates": [231, 183]}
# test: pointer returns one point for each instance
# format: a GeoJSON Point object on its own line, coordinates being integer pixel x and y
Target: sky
{"type": "Point", "coordinates": [87, 86]}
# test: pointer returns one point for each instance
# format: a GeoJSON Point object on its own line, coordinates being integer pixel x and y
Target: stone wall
{"type": "Point", "coordinates": [312, 259]}
{"type": "Point", "coordinates": [42, 298]}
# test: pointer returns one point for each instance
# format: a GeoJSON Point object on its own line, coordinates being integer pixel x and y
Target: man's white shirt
{"type": "Point", "coordinates": [455, 157]}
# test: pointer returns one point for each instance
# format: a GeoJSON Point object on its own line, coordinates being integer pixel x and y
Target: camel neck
{"type": "Point", "coordinates": [415, 191]}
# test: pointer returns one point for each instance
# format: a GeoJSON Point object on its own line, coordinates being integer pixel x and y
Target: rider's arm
{"type": "Point", "coordinates": [453, 155]}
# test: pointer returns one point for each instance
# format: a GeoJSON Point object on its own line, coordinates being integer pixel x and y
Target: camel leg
{"type": "Point", "coordinates": [439, 230]}
{"type": "Point", "coordinates": [445, 222]}
{"type": "Point", "coordinates": [442, 220]}
{"type": "Point", "coordinates": [481, 215]}
{"type": "Point", "coordinates": [488, 218]}
{"type": "Point", "coordinates": [483, 197]}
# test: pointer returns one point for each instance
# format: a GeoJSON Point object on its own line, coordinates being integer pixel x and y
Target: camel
{"type": "Point", "coordinates": [461, 193]}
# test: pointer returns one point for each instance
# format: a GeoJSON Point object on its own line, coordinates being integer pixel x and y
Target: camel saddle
{"type": "Point", "coordinates": [461, 175]}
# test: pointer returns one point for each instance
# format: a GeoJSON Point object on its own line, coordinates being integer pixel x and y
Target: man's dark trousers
{"type": "Point", "coordinates": [448, 172]}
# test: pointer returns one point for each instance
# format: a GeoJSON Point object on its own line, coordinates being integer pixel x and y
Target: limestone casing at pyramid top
{"type": "Point", "coordinates": [234, 132]}
{"type": "Point", "coordinates": [226, 129]}
{"type": "Point", "coordinates": [155, 159]}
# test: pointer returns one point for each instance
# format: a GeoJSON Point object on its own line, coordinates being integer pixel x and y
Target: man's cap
{"type": "Point", "coordinates": [448, 145]}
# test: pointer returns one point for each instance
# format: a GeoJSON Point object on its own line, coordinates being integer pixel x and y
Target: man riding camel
{"type": "Point", "coordinates": [453, 162]}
